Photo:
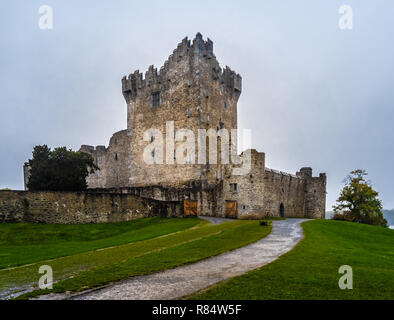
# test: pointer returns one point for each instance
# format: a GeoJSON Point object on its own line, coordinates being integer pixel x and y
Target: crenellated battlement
{"type": "Point", "coordinates": [189, 60]}
{"type": "Point", "coordinates": [92, 150]}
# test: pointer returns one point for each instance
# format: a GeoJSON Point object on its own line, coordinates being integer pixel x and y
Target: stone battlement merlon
{"type": "Point", "coordinates": [281, 173]}
{"type": "Point", "coordinates": [198, 51]}
{"type": "Point", "coordinates": [304, 173]}
{"type": "Point", "coordinates": [92, 150]}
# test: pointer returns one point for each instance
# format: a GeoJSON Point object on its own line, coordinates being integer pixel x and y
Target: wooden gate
{"type": "Point", "coordinates": [231, 209]}
{"type": "Point", "coordinates": [190, 208]}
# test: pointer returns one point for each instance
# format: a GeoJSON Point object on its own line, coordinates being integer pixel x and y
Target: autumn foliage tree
{"type": "Point", "coordinates": [59, 170]}
{"type": "Point", "coordinates": [358, 201]}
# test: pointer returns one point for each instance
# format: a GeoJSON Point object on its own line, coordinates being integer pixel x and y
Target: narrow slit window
{"type": "Point", "coordinates": [155, 99]}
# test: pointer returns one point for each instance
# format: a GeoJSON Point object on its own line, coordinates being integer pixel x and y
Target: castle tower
{"type": "Point", "coordinates": [190, 92]}
{"type": "Point", "coordinates": [315, 193]}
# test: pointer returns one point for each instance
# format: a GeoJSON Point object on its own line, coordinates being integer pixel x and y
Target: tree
{"type": "Point", "coordinates": [358, 201]}
{"type": "Point", "coordinates": [59, 170]}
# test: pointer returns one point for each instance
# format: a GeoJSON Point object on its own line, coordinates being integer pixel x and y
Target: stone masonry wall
{"type": "Point", "coordinates": [76, 208]}
{"type": "Point", "coordinates": [112, 161]}
{"type": "Point", "coordinates": [267, 192]}
{"type": "Point", "coordinates": [98, 179]}
{"type": "Point", "coordinates": [195, 93]}
{"type": "Point", "coordinates": [315, 193]}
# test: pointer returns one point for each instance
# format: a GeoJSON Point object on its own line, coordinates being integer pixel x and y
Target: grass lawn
{"type": "Point", "coordinates": [23, 243]}
{"type": "Point", "coordinates": [99, 267]}
{"type": "Point", "coordinates": [310, 270]}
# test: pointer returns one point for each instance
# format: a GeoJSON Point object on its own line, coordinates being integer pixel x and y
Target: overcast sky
{"type": "Point", "coordinates": [313, 94]}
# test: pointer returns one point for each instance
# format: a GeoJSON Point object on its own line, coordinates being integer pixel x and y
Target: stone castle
{"type": "Point", "coordinates": [191, 91]}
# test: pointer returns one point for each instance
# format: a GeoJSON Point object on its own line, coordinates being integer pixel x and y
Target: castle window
{"type": "Point", "coordinates": [224, 104]}
{"type": "Point", "coordinates": [116, 157]}
{"type": "Point", "coordinates": [233, 187]}
{"type": "Point", "coordinates": [155, 99]}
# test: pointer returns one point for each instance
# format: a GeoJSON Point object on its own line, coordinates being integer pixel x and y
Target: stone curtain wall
{"type": "Point", "coordinates": [263, 191]}
{"type": "Point", "coordinates": [113, 162]}
{"type": "Point", "coordinates": [75, 208]}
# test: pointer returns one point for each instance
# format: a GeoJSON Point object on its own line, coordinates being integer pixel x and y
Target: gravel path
{"type": "Point", "coordinates": [179, 282]}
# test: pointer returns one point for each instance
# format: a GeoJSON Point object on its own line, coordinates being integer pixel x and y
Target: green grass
{"type": "Point", "coordinates": [96, 268]}
{"type": "Point", "coordinates": [23, 243]}
{"type": "Point", "coordinates": [310, 270]}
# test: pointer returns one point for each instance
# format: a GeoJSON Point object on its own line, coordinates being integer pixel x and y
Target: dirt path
{"type": "Point", "coordinates": [179, 282]}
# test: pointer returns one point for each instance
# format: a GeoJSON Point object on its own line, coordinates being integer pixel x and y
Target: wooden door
{"type": "Point", "coordinates": [231, 209]}
{"type": "Point", "coordinates": [190, 208]}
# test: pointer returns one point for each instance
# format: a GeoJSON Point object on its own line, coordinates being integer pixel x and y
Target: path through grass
{"type": "Point", "coordinates": [310, 270]}
{"type": "Point", "coordinates": [99, 267]}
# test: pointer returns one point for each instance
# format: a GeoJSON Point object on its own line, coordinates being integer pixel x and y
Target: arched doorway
{"type": "Point", "coordinates": [282, 210]}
